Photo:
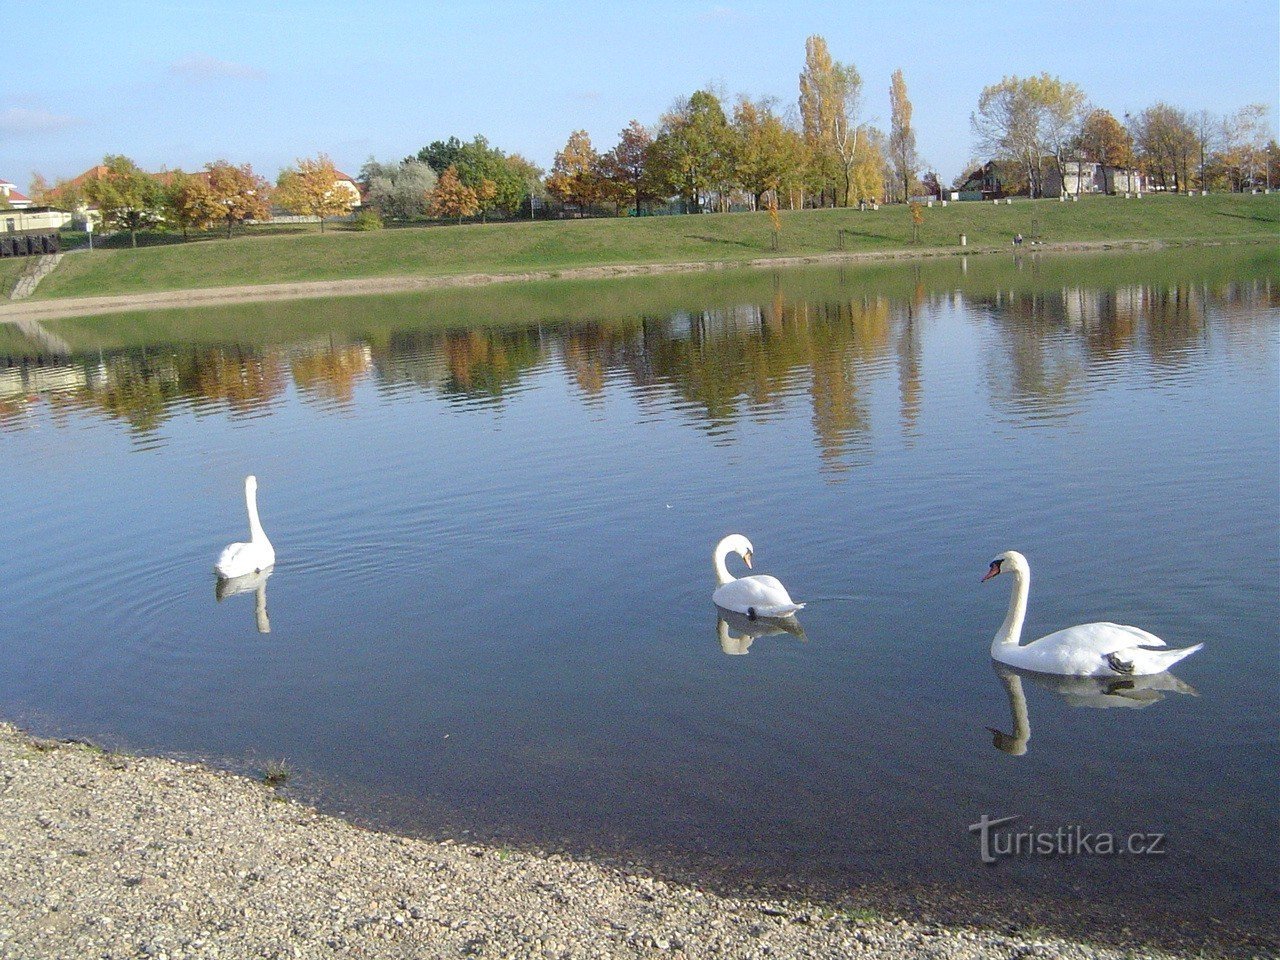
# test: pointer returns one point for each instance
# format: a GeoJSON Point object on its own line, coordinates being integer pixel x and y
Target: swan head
{"type": "Point", "coordinates": [736, 543]}
{"type": "Point", "coordinates": [1010, 560]}
{"type": "Point", "coordinates": [250, 484]}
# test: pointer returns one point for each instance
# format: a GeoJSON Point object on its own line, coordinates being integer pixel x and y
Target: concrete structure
{"type": "Point", "coordinates": [1081, 178]}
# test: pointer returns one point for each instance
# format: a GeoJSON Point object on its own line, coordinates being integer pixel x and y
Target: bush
{"type": "Point", "coordinates": [367, 220]}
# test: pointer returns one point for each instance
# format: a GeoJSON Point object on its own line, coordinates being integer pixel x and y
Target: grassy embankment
{"type": "Point", "coordinates": [712, 238]}
{"type": "Point", "coordinates": [628, 300]}
{"type": "Point", "coordinates": [10, 267]}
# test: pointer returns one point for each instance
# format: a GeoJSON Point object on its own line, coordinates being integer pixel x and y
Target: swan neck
{"type": "Point", "coordinates": [256, 533]}
{"type": "Point", "coordinates": [722, 572]}
{"type": "Point", "coordinates": [1010, 632]}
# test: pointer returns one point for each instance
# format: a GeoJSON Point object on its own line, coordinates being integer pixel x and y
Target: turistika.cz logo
{"type": "Point", "coordinates": [1070, 840]}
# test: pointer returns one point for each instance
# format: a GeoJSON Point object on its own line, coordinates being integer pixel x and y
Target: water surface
{"type": "Point", "coordinates": [494, 514]}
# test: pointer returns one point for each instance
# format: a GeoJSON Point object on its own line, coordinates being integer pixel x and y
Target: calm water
{"type": "Point", "coordinates": [494, 514]}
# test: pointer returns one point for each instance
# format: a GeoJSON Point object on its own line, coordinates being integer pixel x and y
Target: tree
{"type": "Point", "coordinates": [1245, 137]}
{"type": "Point", "coordinates": [1022, 119]}
{"type": "Point", "coordinates": [240, 193]}
{"type": "Point", "coordinates": [189, 203]}
{"type": "Point", "coordinates": [126, 197]}
{"type": "Point", "coordinates": [1165, 141]}
{"type": "Point", "coordinates": [529, 175]}
{"type": "Point", "coordinates": [830, 93]}
{"type": "Point", "coordinates": [40, 191]}
{"type": "Point", "coordinates": [486, 193]}
{"type": "Point", "coordinates": [575, 177]}
{"type": "Point", "coordinates": [452, 198]}
{"type": "Point", "coordinates": [312, 189]}
{"type": "Point", "coordinates": [902, 136]}
{"type": "Point", "coordinates": [691, 154]}
{"type": "Point", "coordinates": [626, 164]}
{"type": "Point", "coordinates": [1104, 141]}
{"type": "Point", "coordinates": [398, 191]}
{"type": "Point", "coordinates": [439, 155]}
{"type": "Point", "coordinates": [767, 153]}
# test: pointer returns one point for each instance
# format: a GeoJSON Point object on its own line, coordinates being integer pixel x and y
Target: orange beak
{"type": "Point", "coordinates": [747, 557]}
{"type": "Point", "coordinates": [994, 571]}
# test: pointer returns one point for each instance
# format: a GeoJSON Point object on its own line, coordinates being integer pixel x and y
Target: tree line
{"type": "Point", "coordinates": [706, 153]}
{"type": "Point", "coordinates": [1039, 123]}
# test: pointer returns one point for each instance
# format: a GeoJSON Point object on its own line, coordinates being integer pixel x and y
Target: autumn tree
{"type": "Point", "coordinates": [189, 203]}
{"type": "Point", "coordinates": [1023, 119]}
{"type": "Point", "coordinates": [1165, 141]}
{"type": "Point", "coordinates": [575, 174]}
{"type": "Point", "coordinates": [767, 154]}
{"type": "Point", "coordinates": [126, 197]}
{"type": "Point", "coordinates": [452, 198]}
{"type": "Point", "coordinates": [830, 94]}
{"type": "Point", "coordinates": [314, 189]}
{"type": "Point", "coordinates": [626, 165]}
{"type": "Point", "coordinates": [529, 175]}
{"type": "Point", "coordinates": [40, 191]}
{"type": "Point", "coordinates": [902, 136]}
{"type": "Point", "coordinates": [1245, 136]}
{"type": "Point", "coordinates": [240, 193]}
{"type": "Point", "coordinates": [1104, 140]}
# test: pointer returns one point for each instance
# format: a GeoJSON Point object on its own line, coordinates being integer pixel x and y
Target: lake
{"type": "Point", "coordinates": [494, 512]}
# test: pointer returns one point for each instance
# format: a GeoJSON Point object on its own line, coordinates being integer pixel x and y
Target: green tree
{"type": "Point", "coordinates": [529, 175]}
{"type": "Point", "coordinates": [440, 155]}
{"type": "Point", "coordinates": [126, 197]}
{"type": "Point", "coordinates": [313, 189]}
{"type": "Point", "coordinates": [692, 153]}
{"type": "Point", "coordinates": [398, 191]}
{"type": "Point", "coordinates": [240, 193]}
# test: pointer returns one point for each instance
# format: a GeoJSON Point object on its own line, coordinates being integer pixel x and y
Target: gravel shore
{"type": "Point", "coordinates": [110, 856]}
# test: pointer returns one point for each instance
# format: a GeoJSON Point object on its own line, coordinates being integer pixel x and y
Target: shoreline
{"type": "Point", "coordinates": [115, 855]}
{"type": "Point", "coordinates": [68, 307]}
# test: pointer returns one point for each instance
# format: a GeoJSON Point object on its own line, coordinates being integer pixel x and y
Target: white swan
{"type": "Point", "coordinates": [1087, 650]}
{"type": "Point", "coordinates": [757, 596]}
{"type": "Point", "coordinates": [255, 556]}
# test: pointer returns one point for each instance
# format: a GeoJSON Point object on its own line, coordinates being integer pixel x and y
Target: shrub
{"type": "Point", "coordinates": [367, 220]}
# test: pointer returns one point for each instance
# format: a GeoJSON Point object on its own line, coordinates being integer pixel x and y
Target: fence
{"type": "Point", "coordinates": [30, 244]}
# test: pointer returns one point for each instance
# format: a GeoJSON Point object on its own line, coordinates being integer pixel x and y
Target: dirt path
{"type": "Point", "coordinates": [259, 293]}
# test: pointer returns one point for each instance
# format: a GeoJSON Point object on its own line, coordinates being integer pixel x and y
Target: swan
{"type": "Point", "coordinates": [255, 556]}
{"type": "Point", "coordinates": [1087, 650]}
{"type": "Point", "coordinates": [757, 596]}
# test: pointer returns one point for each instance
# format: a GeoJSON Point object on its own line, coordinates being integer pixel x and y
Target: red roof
{"type": "Point", "coordinates": [15, 195]}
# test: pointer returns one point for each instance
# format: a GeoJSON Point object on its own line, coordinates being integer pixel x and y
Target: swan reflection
{"type": "Point", "coordinates": [736, 631]}
{"type": "Point", "coordinates": [1098, 692]}
{"type": "Point", "coordinates": [255, 583]}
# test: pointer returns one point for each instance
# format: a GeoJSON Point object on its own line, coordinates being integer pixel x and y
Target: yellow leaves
{"type": "Point", "coordinates": [452, 198]}
{"type": "Point", "coordinates": [314, 189]}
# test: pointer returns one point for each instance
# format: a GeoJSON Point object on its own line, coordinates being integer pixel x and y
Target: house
{"type": "Point", "coordinates": [1083, 178]}
{"type": "Point", "coordinates": [352, 186]}
{"type": "Point", "coordinates": [993, 180]}
{"type": "Point", "coordinates": [13, 200]}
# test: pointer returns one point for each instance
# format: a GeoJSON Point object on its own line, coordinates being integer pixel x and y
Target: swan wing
{"type": "Point", "coordinates": [762, 596]}
{"type": "Point", "coordinates": [239, 559]}
{"type": "Point", "coordinates": [1099, 650]}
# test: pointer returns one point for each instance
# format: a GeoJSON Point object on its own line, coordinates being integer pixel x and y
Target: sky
{"type": "Point", "coordinates": [177, 85]}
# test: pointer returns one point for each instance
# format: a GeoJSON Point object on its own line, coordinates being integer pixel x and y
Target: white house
{"type": "Point", "coordinates": [1082, 178]}
{"type": "Point", "coordinates": [14, 199]}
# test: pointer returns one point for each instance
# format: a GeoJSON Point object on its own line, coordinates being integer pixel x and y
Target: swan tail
{"type": "Point", "coordinates": [781, 610]}
{"type": "Point", "coordinates": [1155, 661]}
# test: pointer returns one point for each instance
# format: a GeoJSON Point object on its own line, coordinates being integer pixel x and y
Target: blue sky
{"type": "Point", "coordinates": [176, 85]}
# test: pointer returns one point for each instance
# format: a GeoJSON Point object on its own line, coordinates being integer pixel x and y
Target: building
{"type": "Point", "coordinates": [1079, 178]}
{"type": "Point", "coordinates": [12, 198]}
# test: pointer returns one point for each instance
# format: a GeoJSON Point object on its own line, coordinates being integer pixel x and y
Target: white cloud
{"type": "Point", "coordinates": [200, 67]}
{"type": "Point", "coordinates": [24, 121]}
{"type": "Point", "coordinates": [720, 14]}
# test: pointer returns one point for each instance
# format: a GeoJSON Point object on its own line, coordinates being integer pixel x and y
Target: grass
{"type": "Point", "coordinates": [10, 267]}
{"type": "Point", "coordinates": [306, 255]}
{"type": "Point", "coordinates": [276, 772]}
